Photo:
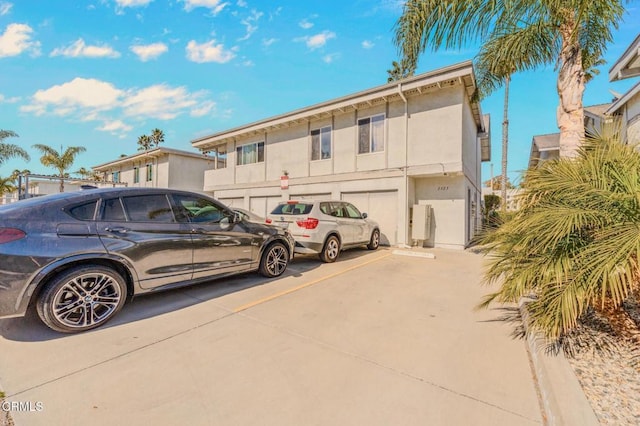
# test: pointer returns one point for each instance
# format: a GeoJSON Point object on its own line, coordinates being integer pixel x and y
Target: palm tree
{"type": "Point", "coordinates": [6, 185]}
{"type": "Point", "coordinates": [157, 137]}
{"type": "Point", "coordinates": [574, 244]}
{"type": "Point", "coordinates": [571, 34]}
{"type": "Point", "coordinates": [8, 150]}
{"type": "Point", "coordinates": [399, 71]}
{"type": "Point", "coordinates": [144, 143]}
{"type": "Point", "coordinates": [61, 161]}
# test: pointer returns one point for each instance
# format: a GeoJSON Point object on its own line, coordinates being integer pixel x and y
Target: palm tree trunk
{"type": "Point", "coordinates": [570, 89]}
{"type": "Point", "coordinates": [505, 143]}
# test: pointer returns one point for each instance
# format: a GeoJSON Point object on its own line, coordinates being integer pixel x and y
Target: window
{"type": "Point", "coordinates": [352, 211]}
{"type": "Point", "coordinates": [84, 211]}
{"type": "Point", "coordinates": [250, 154]}
{"type": "Point", "coordinates": [136, 174]}
{"type": "Point", "coordinates": [149, 172]}
{"type": "Point", "coordinates": [219, 156]}
{"type": "Point", "coordinates": [293, 207]}
{"type": "Point", "coordinates": [115, 177]}
{"type": "Point", "coordinates": [112, 211]}
{"type": "Point", "coordinates": [148, 208]}
{"type": "Point", "coordinates": [321, 143]}
{"type": "Point", "coordinates": [371, 134]}
{"type": "Point", "coordinates": [198, 209]}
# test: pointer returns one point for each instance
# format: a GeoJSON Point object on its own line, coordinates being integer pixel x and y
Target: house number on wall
{"type": "Point", "coordinates": [443, 188]}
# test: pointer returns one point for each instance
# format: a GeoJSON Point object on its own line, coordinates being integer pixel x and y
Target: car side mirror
{"type": "Point", "coordinates": [237, 217]}
{"type": "Point", "coordinates": [364, 215]}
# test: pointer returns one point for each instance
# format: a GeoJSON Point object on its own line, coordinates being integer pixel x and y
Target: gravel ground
{"type": "Point", "coordinates": [611, 380]}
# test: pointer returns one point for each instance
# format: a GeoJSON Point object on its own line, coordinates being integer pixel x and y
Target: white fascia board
{"type": "Point", "coordinates": [624, 99]}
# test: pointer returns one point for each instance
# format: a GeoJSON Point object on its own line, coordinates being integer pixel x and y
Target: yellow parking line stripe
{"type": "Point", "coordinates": [310, 283]}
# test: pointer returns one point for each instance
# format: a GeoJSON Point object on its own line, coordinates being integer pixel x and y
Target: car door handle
{"type": "Point", "coordinates": [117, 230]}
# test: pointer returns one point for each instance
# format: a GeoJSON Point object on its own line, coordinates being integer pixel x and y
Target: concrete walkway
{"type": "Point", "coordinates": [374, 339]}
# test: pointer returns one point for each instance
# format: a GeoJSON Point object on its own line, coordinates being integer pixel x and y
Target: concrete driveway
{"type": "Point", "coordinates": [374, 339]}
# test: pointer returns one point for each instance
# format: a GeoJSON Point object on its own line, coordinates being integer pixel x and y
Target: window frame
{"type": "Point", "coordinates": [371, 118]}
{"type": "Point", "coordinates": [256, 145]}
{"type": "Point", "coordinates": [136, 174]}
{"type": "Point", "coordinates": [320, 131]}
{"type": "Point", "coordinates": [149, 177]}
{"type": "Point", "coordinates": [115, 176]}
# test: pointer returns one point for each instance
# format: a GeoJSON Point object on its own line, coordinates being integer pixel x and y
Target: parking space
{"type": "Point", "coordinates": [374, 338]}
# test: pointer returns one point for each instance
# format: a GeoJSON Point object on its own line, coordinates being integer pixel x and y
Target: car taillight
{"type": "Point", "coordinates": [267, 220]}
{"type": "Point", "coordinates": [309, 223]}
{"type": "Point", "coordinates": [10, 234]}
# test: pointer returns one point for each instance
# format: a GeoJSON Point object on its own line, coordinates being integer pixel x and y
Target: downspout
{"type": "Point", "coordinates": [406, 165]}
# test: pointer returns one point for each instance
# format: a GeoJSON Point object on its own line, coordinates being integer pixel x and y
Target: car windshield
{"type": "Point", "coordinates": [293, 208]}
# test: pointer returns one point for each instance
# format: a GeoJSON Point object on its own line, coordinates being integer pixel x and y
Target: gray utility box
{"type": "Point", "coordinates": [421, 218]}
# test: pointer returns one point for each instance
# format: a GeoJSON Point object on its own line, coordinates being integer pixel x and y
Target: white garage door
{"type": "Point", "coordinates": [262, 206]}
{"type": "Point", "coordinates": [232, 202]}
{"type": "Point", "coordinates": [323, 196]}
{"type": "Point", "coordinates": [380, 206]}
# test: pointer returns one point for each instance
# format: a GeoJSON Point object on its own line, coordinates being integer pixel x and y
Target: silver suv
{"type": "Point", "coordinates": [325, 227]}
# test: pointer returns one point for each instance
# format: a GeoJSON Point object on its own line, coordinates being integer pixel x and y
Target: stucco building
{"type": "Point", "coordinates": [420, 140]}
{"type": "Point", "coordinates": [627, 106]}
{"type": "Point", "coordinates": [158, 167]}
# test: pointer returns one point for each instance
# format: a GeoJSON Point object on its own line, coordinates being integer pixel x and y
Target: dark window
{"type": "Point", "coordinates": [148, 208]}
{"type": "Point", "coordinates": [149, 172]}
{"type": "Point", "coordinates": [321, 143]}
{"type": "Point", "coordinates": [136, 174]}
{"type": "Point", "coordinates": [198, 209]}
{"type": "Point", "coordinates": [371, 134]}
{"type": "Point", "coordinates": [112, 211]}
{"type": "Point", "coordinates": [292, 208]}
{"type": "Point", "coordinates": [84, 211]}
{"type": "Point", "coordinates": [115, 177]}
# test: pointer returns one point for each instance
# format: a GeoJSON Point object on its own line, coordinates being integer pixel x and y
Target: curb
{"type": "Point", "coordinates": [561, 396]}
{"type": "Point", "coordinates": [414, 254]}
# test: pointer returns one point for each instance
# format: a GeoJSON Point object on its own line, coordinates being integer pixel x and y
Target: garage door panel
{"type": "Point", "coordinates": [232, 202]}
{"type": "Point", "coordinates": [381, 207]}
{"type": "Point", "coordinates": [262, 206]}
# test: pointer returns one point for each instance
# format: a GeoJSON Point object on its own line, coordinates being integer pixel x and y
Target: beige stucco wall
{"type": "Point", "coordinates": [632, 116]}
{"type": "Point", "coordinates": [183, 172]}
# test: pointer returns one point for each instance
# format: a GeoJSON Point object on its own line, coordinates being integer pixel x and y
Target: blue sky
{"type": "Point", "coordinates": [101, 73]}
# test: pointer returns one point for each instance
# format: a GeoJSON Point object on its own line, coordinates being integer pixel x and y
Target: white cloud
{"type": "Point", "coordinates": [16, 39]}
{"type": "Point", "coordinates": [12, 100]}
{"type": "Point", "coordinates": [330, 57]}
{"type": "Point", "coordinates": [266, 42]}
{"type": "Point", "coordinates": [249, 23]}
{"type": "Point", "coordinates": [208, 52]}
{"type": "Point", "coordinates": [91, 100]}
{"type": "Point", "coordinates": [367, 44]}
{"type": "Point", "coordinates": [132, 3]}
{"type": "Point", "coordinates": [215, 6]}
{"type": "Point", "coordinates": [317, 41]}
{"type": "Point", "coordinates": [160, 101]}
{"type": "Point", "coordinates": [149, 51]}
{"type": "Point", "coordinates": [115, 127]}
{"type": "Point", "coordinates": [242, 3]}
{"type": "Point", "coordinates": [304, 24]}
{"type": "Point", "coordinates": [79, 49]}
{"type": "Point", "coordinates": [5, 7]}
{"type": "Point", "coordinates": [204, 108]}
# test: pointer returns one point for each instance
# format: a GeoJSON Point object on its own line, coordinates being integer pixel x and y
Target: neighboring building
{"type": "Point", "coordinates": [416, 141]}
{"type": "Point", "coordinates": [627, 106]}
{"type": "Point", "coordinates": [547, 147]}
{"type": "Point", "coordinates": [159, 168]}
{"type": "Point", "coordinates": [513, 196]}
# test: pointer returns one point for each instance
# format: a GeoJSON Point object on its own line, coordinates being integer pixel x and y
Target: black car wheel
{"type": "Point", "coordinates": [374, 242]}
{"type": "Point", "coordinates": [331, 250]}
{"type": "Point", "coordinates": [274, 260]}
{"type": "Point", "coordinates": [82, 298]}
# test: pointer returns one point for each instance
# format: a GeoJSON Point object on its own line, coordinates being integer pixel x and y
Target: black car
{"type": "Point", "coordinates": [78, 257]}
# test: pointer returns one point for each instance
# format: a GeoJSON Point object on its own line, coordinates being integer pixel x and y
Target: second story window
{"type": "Point", "coordinates": [149, 172]}
{"type": "Point", "coordinates": [115, 177]}
{"type": "Point", "coordinates": [371, 134]}
{"type": "Point", "coordinates": [136, 174]}
{"type": "Point", "coordinates": [321, 143]}
{"type": "Point", "coordinates": [250, 153]}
